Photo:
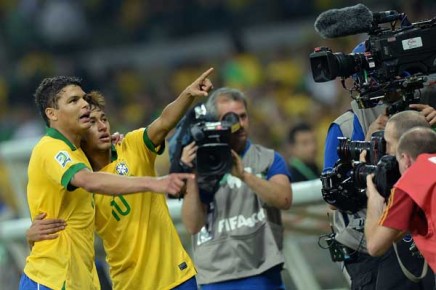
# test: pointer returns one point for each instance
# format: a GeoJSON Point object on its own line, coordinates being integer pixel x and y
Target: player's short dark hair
{"type": "Point", "coordinates": [95, 100]}
{"type": "Point", "coordinates": [47, 93]}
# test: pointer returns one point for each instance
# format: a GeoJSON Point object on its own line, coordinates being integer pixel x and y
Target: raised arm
{"type": "Point", "coordinates": [112, 184]}
{"type": "Point", "coordinates": [173, 112]}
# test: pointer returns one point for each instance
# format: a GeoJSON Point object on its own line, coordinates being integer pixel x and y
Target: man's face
{"type": "Point", "coordinates": [98, 137]}
{"type": "Point", "coordinates": [391, 140]}
{"type": "Point", "coordinates": [305, 147]}
{"type": "Point", "coordinates": [72, 110]}
{"type": "Point", "coordinates": [240, 137]}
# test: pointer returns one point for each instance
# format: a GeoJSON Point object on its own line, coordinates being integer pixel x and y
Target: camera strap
{"type": "Point", "coordinates": [357, 223]}
{"type": "Point", "coordinates": [406, 272]}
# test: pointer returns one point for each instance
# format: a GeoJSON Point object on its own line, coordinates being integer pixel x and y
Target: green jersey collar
{"type": "Point", "coordinates": [52, 132]}
{"type": "Point", "coordinates": [114, 154]}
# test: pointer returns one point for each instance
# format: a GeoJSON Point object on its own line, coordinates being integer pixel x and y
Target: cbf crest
{"type": "Point", "coordinates": [122, 168]}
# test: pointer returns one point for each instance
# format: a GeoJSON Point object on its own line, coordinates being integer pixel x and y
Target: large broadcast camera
{"type": "Point", "coordinates": [395, 61]}
{"type": "Point", "coordinates": [344, 185]}
{"type": "Point", "coordinates": [212, 137]}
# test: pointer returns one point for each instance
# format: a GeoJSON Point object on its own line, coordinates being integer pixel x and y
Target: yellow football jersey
{"type": "Point", "coordinates": [66, 261]}
{"type": "Point", "coordinates": [142, 245]}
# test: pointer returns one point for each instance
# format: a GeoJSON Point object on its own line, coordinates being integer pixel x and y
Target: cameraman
{"type": "Point", "coordinates": [411, 201]}
{"type": "Point", "coordinates": [365, 271]}
{"type": "Point", "coordinates": [237, 242]}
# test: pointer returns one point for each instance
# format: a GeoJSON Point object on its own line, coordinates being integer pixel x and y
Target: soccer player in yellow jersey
{"type": "Point", "coordinates": [60, 179]}
{"type": "Point", "coordinates": [171, 266]}
{"type": "Point", "coordinates": [142, 245]}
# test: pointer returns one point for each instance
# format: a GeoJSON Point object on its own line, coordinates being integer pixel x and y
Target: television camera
{"type": "Point", "coordinates": [394, 62]}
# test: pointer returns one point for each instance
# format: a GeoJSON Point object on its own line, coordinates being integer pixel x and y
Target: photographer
{"type": "Point", "coordinates": [359, 124]}
{"type": "Point", "coordinates": [412, 199]}
{"type": "Point", "coordinates": [238, 237]}
{"type": "Point", "coordinates": [364, 270]}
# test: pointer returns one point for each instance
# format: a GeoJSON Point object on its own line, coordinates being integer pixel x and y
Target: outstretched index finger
{"type": "Point", "coordinates": [205, 74]}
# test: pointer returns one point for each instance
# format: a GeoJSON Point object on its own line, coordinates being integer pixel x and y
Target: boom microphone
{"type": "Point", "coordinates": [345, 21]}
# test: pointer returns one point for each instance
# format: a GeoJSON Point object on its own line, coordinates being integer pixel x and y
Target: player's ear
{"type": "Point", "coordinates": [51, 114]}
{"type": "Point", "coordinates": [409, 160]}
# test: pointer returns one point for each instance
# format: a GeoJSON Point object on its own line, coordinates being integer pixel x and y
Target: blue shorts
{"type": "Point", "coordinates": [268, 280]}
{"type": "Point", "coordinates": [190, 284]}
{"type": "Point", "coordinates": [28, 284]}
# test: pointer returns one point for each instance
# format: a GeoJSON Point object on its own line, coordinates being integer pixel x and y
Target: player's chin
{"type": "Point", "coordinates": [104, 145]}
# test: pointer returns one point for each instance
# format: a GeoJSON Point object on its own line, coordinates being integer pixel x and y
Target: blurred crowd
{"type": "Point", "coordinates": [65, 37]}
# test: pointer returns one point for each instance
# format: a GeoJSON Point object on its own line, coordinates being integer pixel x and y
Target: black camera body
{"type": "Point", "coordinates": [388, 53]}
{"type": "Point", "coordinates": [386, 174]}
{"type": "Point", "coordinates": [214, 153]}
{"type": "Point", "coordinates": [338, 189]}
{"type": "Point", "coordinates": [344, 186]}
{"type": "Point", "coordinates": [395, 62]}
{"type": "Point", "coordinates": [212, 137]}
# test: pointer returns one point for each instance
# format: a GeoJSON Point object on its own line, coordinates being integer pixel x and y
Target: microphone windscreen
{"type": "Point", "coordinates": [345, 21]}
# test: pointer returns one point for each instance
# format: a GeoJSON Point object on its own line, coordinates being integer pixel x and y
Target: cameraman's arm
{"type": "Point", "coordinates": [378, 238]}
{"type": "Point", "coordinates": [428, 112]}
{"type": "Point", "coordinates": [193, 210]}
{"type": "Point", "coordinates": [276, 191]}
{"type": "Point", "coordinates": [378, 125]}
{"type": "Point", "coordinates": [173, 112]}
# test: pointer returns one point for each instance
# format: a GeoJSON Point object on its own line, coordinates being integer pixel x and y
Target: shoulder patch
{"type": "Point", "coordinates": [63, 158]}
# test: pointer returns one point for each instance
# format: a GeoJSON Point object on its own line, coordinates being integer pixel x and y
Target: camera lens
{"type": "Point", "coordinates": [327, 66]}
{"type": "Point", "coordinates": [350, 150]}
{"type": "Point", "coordinates": [213, 159]}
{"type": "Point", "coordinates": [360, 172]}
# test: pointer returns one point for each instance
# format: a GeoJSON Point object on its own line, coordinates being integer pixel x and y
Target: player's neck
{"type": "Point", "coordinates": [73, 137]}
{"type": "Point", "coordinates": [100, 159]}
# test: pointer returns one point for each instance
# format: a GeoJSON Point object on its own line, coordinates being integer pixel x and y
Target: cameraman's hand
{"type": "Point", "coordinates": [378, 125]}
{"type": "Point", "coordinates": [238, 166]}
{"type": "Point", "coordinates": [188, 154]}
{"type": "Point", "coordinates": [371, 191]}
{"type": "Point", "coordinates": [427, 111]}
{"type": "Point", "coordinates": [362, 156]}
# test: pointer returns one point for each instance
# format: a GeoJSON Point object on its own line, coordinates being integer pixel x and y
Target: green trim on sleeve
{"type": "Point", "coordinates": [150, 144]}
{"type": "Point", "coordinates": [68, 175]}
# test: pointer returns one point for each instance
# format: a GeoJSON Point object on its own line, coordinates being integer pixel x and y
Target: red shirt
{"type": "Point", "coordinates": [403, 214]}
